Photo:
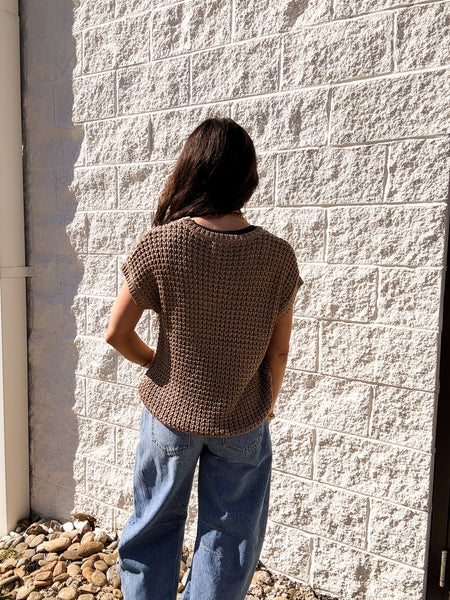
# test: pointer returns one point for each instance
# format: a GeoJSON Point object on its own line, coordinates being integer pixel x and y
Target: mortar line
{"type": "Point", "coordinates": [349, 546]}
{"type": "Point", "coordinates": [282, 93]}
{"type": "Point", "coordinates": [356, 436]}
{"type": "Point", "coordinates": [347, 491]}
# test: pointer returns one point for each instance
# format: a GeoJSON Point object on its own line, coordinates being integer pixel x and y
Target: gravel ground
{"type": "Point", "coordinates": [76, 560]}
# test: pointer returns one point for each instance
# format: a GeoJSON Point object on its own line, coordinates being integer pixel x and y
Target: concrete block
{"type": "Point", "coordinates": [283, 122]}
{"type": "Point", "coordinates": [368, 235]}
{"type": "Point", "coordinates": [399, 475]}
{"type": "Point", "coordinates": [87, 14]}
{"type": "Point", "coordinates": [49, 384]}
{"type": "Point", "coordinates": [418, 171]}
{"type": "Point", "coordinates": [422, 35]}
{"type": "Point", "coordinates": [169, 129]}
{"type": "Point", "coordinates": [50, 464]}
{"type": "Point", "coordinates": [96, 440]}
{"type": "Point", "coordinates": [288, 550]}
{"type": "Point", "coordinates": [403, 416]}
{"type": "Point", "coordinates": [42, 348]}
{"type": "Point", "coordinates": [303, 353]}
{"type": "Point", "coordinates": [331, 176]}
{"type": "Point", "coordinates": [235, 71]}
{"type": "Point", "coordinates": [77, 234]}
{"type": "Point", "coordinates": [49, 499]}
{"type": "Point", "coordinates": [94, 188]}
{"type": "Point", "coordinates": [315, 508]}
{"type": "Point", "coordinates": [338, 292]}
{"type": "Point", "coordinates": [99, 275]}
{"type": "Point", "coordinates": [94, 97]}
{"type": "Point", "coordinates": [379, 354]}
{"type": "Point", "coordinates": [369, 110]}
{"type": "Point", "coordinates": [293, 448]}
{"type": "Point", "coordinates": [113, 232]}
{"type": "Point", "coordinates": [410, 297]}
{"type": "Point", "coordinates": [163, 84]}
{"type": "Point", "coordinates": [398, 533]}
{"type": "Point", "coordinates": [103, 513]}
{"type": "Point", "coordinates": [129, 373]}
{"type": "Point", "coordinates": [337, 51]}
{"type": "Point", "coordinates": [129, 7]}
{"type": "Point", "coordinates": [303, 228]}
{"type": "Point", "coordinates": [117, 141]}
{"type": "Point", "coordinates": [97, 312]}
{"type": "Point", "coordinates": [110, 484]}
{"type": "Point", "coordinates": [40, 192]}
{"type": "Point", "coordinates": [344, 8]}
{"type": "Point", "coordinates": [141, 185]}
{"type": "Point", "coordinates": [190, 26]}
{"type": "Point", "coordinates": [349, 574]}
{"type": "Point", "coordinates": [126, 442]}
{"type": "Point", "coordinates": [254, 18]}
{"type": "Point", "coordinates": [114, 40]}
{"type": "Point", "coordinates": [115, 404]}
{"type": "Point", "coordinates": [322, 401]}
{"type": "Point", "coordinates": [95, 358]}
{"type": "Point", "coordinates": [264, 195]}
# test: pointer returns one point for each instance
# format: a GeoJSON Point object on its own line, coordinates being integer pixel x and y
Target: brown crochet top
{"type": "Point", "coordinates": [218, 296]}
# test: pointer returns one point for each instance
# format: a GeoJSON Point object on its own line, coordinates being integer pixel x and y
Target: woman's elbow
{"type": "Point", "coordinates": [113, 337]}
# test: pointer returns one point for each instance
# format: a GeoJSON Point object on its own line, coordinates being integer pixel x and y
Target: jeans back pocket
{"type": "Point", "coordinates": [245, 443]}
{"type": "Point", "coordinates": [171, 441]}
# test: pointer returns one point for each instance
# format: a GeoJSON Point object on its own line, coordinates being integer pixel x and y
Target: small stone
{"type": "Point", "coordinates": [73, 569]}
{"type": "Point", "coordinates": [38, 539]}
{"type": "Point", "coordinates": [34, 529]}
{"type": "Point", "coordinates": [24, 591]}
{"type": "Point", "coordinates": [67, 593]}
{"type": "Point", "coordinates": [35, 596]}
{"type": "Point", "coordinates": [87, 572]}
{"type": "Point", "coordinates": [101, 565]}
{"type": "Point", "coordinates": [110, 559]}
{"type": "Point", "coordinates": [86, 597]}
{"type": "Point", "coordinates": [68, 526]}
{"type": "Point", "coordinates": [70, 555]}
{"type": "Point", "coordinates": [57, 545]}
{"type": "Point", "coordinates": [113, 576]}
{"type": "Point", "coordinates": [98, 578]}
{"type": "Point", "coordinates": [59, 568]}
{"type": "Point", "coordinates": [38, 556]}
{"type": "Point", "coordinates": [90, 547]}
{"type": "Point", "coordinates": [89, 587]}
{"type": "Point", "coordinates": [100, 536]}
{"type": "Point", "coordinates": [43, 579]}
{"type": "Point", "coordinates": [22, 547]}
{"type": "Point", "coordinates": [117, 594]}
{"type": "Point", "coordinates": [61, 577]}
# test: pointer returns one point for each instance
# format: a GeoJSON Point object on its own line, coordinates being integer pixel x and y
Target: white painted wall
{"type": "Point", "coordinates": [347, 103]}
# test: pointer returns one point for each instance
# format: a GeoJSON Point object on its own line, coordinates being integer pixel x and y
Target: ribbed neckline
{"type": "Point", "coordinates": [220, 236]}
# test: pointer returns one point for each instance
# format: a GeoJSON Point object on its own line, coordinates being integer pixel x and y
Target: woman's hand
{"type": "Point", "coordinates": [121, 335]}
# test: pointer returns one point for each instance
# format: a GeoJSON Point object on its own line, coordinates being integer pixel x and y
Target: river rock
{"type": "Point", "coordinates": [67, 593]}
{"type": "Point", "coordinates": [98, 578]}
{"type": "Point", "coordinates": [58, 544]}
{"type": "Point", "coordinates": [90, 547]}
{"type": "Point", "coordinates": [38, 539]}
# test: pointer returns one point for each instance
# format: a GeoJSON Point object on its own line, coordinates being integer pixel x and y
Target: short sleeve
{"type": "Point", "coordinates": [291, 282]}
{"type": "Point", "coordinates": [140, 279]}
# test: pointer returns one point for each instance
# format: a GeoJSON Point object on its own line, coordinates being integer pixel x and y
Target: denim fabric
{"type": "Point", "coordinates": [233, 499]}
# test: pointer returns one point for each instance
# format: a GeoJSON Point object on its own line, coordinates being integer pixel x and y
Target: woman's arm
{"type": "Point", "coordinates": [120, 334]}
{"type": "Point", "coordinates": [277, 353]}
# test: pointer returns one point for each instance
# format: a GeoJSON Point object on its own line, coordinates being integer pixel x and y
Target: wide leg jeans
{"type": "Point", "coordinates": [233, 499]}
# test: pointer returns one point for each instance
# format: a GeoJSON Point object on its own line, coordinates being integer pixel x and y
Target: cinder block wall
{"type": "Point", "coordinates": [347, 104]}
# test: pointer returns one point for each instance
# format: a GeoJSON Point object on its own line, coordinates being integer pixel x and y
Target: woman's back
{"type": "Point", "coordinates": [219, 296]}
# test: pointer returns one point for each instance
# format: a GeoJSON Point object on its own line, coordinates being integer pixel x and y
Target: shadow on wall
{"type": "Point", "coordinates": [55, 246]}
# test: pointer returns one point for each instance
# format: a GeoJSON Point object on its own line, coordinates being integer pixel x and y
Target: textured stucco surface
{"type": "Point", "coordinates": [348, 105]}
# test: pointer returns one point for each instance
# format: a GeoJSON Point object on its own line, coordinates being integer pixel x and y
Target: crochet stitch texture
{"type": "Point", "coordinates": [218, 297]}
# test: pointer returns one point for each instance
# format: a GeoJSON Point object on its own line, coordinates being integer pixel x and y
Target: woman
{"type": "Point", "coordinates": [223, 290]}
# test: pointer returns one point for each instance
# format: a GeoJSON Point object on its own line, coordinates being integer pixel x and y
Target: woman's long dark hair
{"type": "Point", "coordinates": [214, 175]}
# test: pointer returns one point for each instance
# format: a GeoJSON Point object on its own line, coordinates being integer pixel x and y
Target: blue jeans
{"type": "Point", "coordinates": [233, 499]}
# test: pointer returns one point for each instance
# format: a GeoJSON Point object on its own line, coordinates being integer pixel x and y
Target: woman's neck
{"type": "Point", "coordinates": [225, 222]}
